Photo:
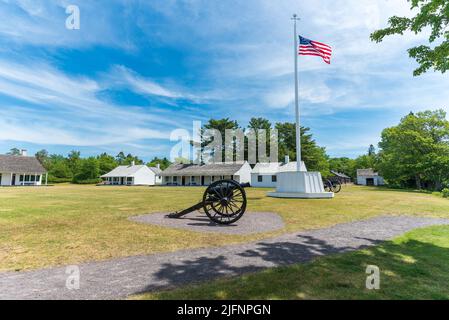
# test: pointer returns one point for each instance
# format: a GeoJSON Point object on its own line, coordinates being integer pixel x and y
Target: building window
{"type": "Point", "coordinates": [21, 178]}
{"type": "Point", "coordinates": [274, 178]}
{"type": "Point", "coordinates": [167, 179]}
{"type": "Point", "coordinates": [0, 179]}
{"type": "Point", "coordinates": [259, 178]}
{"type": "Point", "coordinates": [175, 179]}
{"type": "Point", "coordinates": [38, 178]}
{"type": "Point", "coordinates": [33, 178]}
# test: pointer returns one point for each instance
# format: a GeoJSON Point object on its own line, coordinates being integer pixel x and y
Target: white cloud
{"type": "Point", "coordinates": [56, 109]}
{"type": "Point", "coordinates": [256, 49]}
{"type": "Point", "coordinates": [121, 75]}
{"type": "Point", "coordinates": [42, 22]}
{"type": "Point", "coordinates": [284, 96]}
{"type": "Point", "coordinates": [240, 58]}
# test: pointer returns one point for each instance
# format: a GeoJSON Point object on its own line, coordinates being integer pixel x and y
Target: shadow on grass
{"type": "Point", "coordinates": [409, 270]}
{"type": "Point", "coordinates": [264, 255]}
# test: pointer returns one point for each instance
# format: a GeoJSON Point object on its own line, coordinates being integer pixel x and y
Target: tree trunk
{"type": "Point", "coordinates": [418, 182]}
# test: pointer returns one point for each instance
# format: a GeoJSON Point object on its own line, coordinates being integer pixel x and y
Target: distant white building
{"type": "Point", "coordinates": [133, 175]}
{"type": "Point", "coordinates": [367, 177]}
{"type": "Point", "coordinates": [204, 175]}
{"type": "Point", "coordinates": [21, 170]}
{"type": "Point", "coordinates": [264, 175]}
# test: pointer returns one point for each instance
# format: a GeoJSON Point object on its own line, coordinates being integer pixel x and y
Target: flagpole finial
{"type": "Point", "coordinates": [295, 17]}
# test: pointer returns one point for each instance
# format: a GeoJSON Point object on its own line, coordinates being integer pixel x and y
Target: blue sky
{"type": "Point", "coordinates": [136, 70]}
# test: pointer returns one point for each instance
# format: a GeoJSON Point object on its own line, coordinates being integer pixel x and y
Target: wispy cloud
{"type": "Point", "coordinates": [42, 22]}
{"type": "Point", "coordinates": [252, 55]}
{"type": "Point", "coordinates": [52, 108]}
{"type": "Point", "coordinates": [138, 69]}
{"type": "Point", "coordinates": [122, 76]}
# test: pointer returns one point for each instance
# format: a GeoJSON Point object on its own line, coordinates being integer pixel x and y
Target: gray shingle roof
{"type": "Point", "coordinates": [340, 175]}
{"type": "Point", "coordinates": [366, 173]}
{"type": "Point", "coordinates": [20, 164]}
{"type": "Point", "coordinates": [292, 166]}
{"type": "Point", "coordinates": [123, 171]}
{"type": "Point", "coordinates": [222, 169]}
{"type": "Point", "coordinates": [155, 170]}
{"type": "Point", "coordinates": [275, 167]}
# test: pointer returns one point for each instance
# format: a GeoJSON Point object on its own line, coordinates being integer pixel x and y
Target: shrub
{"type": "Point", "coordinates": [88, 181]}
{"type": "Point", "coordinates": [52, 179]}
{"type": "Point", "coordinates": [445, 192]}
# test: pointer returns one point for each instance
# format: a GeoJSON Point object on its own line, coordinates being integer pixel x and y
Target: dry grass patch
{"type": "Point", "coordinates": [41, 227]}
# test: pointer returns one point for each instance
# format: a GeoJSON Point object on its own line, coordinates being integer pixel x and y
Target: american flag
{"type": "Point", "coordinates": [313, 48]}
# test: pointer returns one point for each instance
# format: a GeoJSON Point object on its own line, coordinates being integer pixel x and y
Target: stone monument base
{"type": "Point", "coordinates": [300, 185]}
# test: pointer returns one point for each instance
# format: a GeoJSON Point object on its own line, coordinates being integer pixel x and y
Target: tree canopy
{"type": "Point", "coordinates": [164, 163]}
{"type": "Point", "coordinates": [77, 169]}
{"type": "Point", "coordinates": [14, 152]}
{"type": "Point", "coordinates": [417, 150]}
{"type": "Point", "coordinates": [433, 14]}
{"type": "Point", "coordinates": [314, 157]}
{"type": "Point", "coordinates": [415, 153]}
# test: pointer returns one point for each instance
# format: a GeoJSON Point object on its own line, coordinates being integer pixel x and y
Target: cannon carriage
{"type": "Point", "coordinates": [224, 202]}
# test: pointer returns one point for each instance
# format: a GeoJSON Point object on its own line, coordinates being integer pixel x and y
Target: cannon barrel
{"type": "Point", "coordinates": [212, 191]}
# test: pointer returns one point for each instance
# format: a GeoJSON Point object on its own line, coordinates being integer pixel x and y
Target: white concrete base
{"type": "Point", "coordinates": [324, 195]}
{"type": "Point", "coordinates": [301, 185]}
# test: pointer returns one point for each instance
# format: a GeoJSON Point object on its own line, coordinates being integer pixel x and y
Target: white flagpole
{"type": "Point", "coordinates": [298, 124]}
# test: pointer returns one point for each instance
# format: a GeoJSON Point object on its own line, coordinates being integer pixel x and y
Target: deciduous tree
{"type": "Point", "coordinates": [433, 15]}
{"type": "Point", "coordinates": [417, 150]}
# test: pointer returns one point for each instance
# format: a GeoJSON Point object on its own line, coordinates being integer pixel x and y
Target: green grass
{"type": "Point", "coordinates": [414, 266]}
{"type": "Point", "coordinates": [66, 224]}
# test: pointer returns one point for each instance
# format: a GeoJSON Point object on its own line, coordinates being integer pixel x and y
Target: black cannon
{"type": "Point", "coordinates": [224, 202]}
{"type": "Point", "coordinates": [332, 185]}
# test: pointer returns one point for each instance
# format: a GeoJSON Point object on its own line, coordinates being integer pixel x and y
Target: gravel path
{"type": "Point", "coordinates": [250, 223]}
{"type": "Point", "coordinates": [122, 277]}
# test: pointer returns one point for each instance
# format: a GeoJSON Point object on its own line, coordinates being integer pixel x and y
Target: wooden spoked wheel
{"type": "Point", "coordinates": [327, 185]}
{"type": "Point", "coordinates": [336, 186]}
{"type": "Point", "coordinates": [224, 202]}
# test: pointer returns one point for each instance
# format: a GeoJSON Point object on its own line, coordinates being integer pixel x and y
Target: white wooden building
{"type": "Point", "coordinates": [133, 175]}
{"type": "Point", "coordinates": [21, 170]}
{"type": "Point", "coordinates": [264, 175]}
{"type": "Point", "coordinates": [204, 175]}
{"type": "Point", "coordinates": [367, 177]}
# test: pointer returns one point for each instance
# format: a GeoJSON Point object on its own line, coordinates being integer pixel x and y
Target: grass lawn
{"type": "Point", "coordinates": [414, 266]}
{"type": "Point", "coordinates": [66, 224]}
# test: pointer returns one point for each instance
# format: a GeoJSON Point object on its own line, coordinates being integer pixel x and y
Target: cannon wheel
{"type": "Point", "coordinates": [224, 202]}
{"type": "Point", "coordinates": [336, 186]}
{"type": "Point", "coordinates": [327, 185]}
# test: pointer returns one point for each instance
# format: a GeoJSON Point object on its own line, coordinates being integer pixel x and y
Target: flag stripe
{"type": "Point", "coordinates": [302, 52]}
{"type": "Point", "coordinates": [314, 48]}
{"type": "Point", "coordinates": [316, 54]}
{"type": "Point", "coordinates": [321, 44]}
{"type": "Point", "coordinates": [323, 49]}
